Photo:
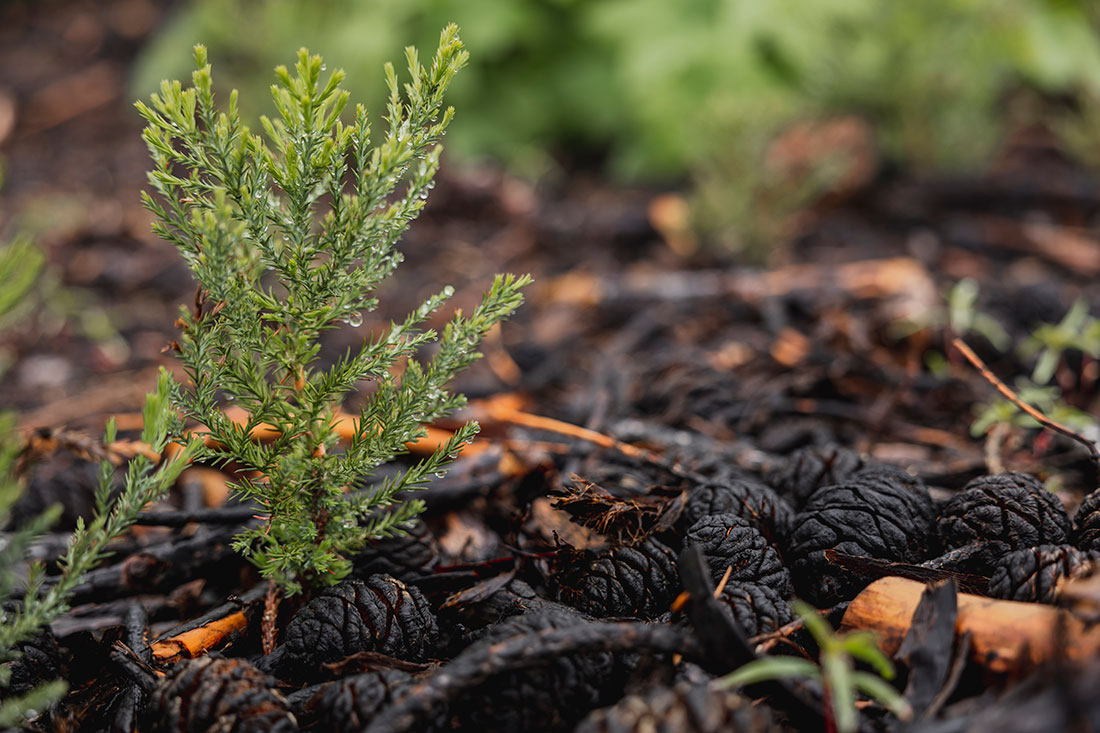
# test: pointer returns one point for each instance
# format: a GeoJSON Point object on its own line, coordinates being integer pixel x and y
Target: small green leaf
{"type": "Point", "coordinates": [770, 668]}
{"type": "Point", "coordinates": [836, 672]}
{"type": "Point", "coordinates": [884, 694]}
{"type": "Point", "coordinates": [863, 645]}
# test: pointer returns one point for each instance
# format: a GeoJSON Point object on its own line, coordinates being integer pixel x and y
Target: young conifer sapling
{"type": "Point", "coordinates": [288, 234]}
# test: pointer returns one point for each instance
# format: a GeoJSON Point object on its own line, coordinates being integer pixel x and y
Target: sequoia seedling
{"type": "Point", "coordinates": [288, 233]}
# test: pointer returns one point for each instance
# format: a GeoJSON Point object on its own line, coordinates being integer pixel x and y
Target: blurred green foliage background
{"type": "Point", "coordinates": [660, 91]}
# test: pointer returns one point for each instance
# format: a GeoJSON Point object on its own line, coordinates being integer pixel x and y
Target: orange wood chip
{"type": "Point", "coordinates": [1006, 636]}
{"type": "Point", "coordinates": [194, 643]}
{"type": "Point", "coordinates": [790, 347]}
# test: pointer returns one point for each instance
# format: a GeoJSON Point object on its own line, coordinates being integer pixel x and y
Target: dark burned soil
{"type": "Point", "coordinates": [658, 423]}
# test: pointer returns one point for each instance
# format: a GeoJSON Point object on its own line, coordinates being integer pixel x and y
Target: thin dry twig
{"type": "Point", "coordinates": [45, 442]}
{"type": "Point", "coordinates": [764, 643]}
{"type": "Point", "coordinates": [271, 612]}
{"type": "Point", "coordinates": [1039, 417]}
{"type": "Point", "coordinates": [722, 583]}
{"type": "Point", "coordinates": [503, 410]}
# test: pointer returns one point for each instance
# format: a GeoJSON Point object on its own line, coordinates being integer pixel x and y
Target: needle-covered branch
{"type": "Point", "coordinates": [288, 233]}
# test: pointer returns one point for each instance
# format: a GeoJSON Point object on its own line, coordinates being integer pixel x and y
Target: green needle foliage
{"type": "Point", "coordinates": [836, 671]}
{"type": "Point", "coordinates": [288, 234]}
{"type": "Point", "coordinates": [145, 482]}
{"type": "Point", "coordinates": [20, 264]}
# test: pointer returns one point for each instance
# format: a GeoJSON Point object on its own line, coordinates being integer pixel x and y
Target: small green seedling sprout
{"type": "Point", "coordinates": [1076, 330]}
{"type": "Point", "coordinates": [288, 234]}
{"type": "Point", "coordinates": [836, 671]}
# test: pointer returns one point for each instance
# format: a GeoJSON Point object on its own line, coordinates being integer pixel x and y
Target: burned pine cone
{"type": "Point", "coordinates": [685, 708]}
{"type": "Point", "coordinates": [381, 614]}
{"type": "Point", "coordinates": [550, 697]}
{"type": "Point", "coordinates": [728, 541]}
{"type": "Point", "coordinates": [1013, 508]}
{"type": "Point", "coordinates": [405, 557]}
{"type": "Point", "coordinates": [899, 477]}
{"type": "Point", "coordinates": [639, 580]}
{"type": "Point", "coordinates": [1086, 523]}
{"type": "Point", "coordinates": [1035, 573]}
{"type": "Point", "coordinates": [350, 704]}
{"type": "Point", "coordinates": [871, 515]}
{"type": "Point", "coordinates": [39, 661]}
{"type": "Point", "coordinates": [808, 469]}
{"type": "Point", "coordinates": [751, 500]}
{"type": "Point", "coordinates": [213, 694]}
{"type": "Point", "coordinates": [756, 609]}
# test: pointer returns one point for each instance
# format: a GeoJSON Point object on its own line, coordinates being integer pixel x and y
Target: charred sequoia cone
{"type": "Point", "coordinates": [1034, 574]}
{"type": "Point", "coordinates": [899, 478]}
{"type": "Point", "coordinates": [752, 501]}
{"type": "Point", "coordinates": [381, 614]}
{"type": "Point", "coordinates": [405, 557]}
{"type": "Point", "coordinates": [808, 469]}
{"type": "Point", "coordinates": [1013, 508]}
{"type": "Point", "coordinates": [728, 541]}
{"type": "Point", "coordinates": [756, 609]}
{"type": "Point", "coordinates": [213, 694]}
{"type": "Point", "coordinates": [350, 704]}
{"type": "Point", "coordinates": [685, 708]}
{"type": "Point", "coordinates": [638, 580]}
{"type": "Point", "coordinates": [39, 661]}
{"type": "Point", "coordinates": [551, 696]}
{"type": "Point", "coordinates": [872, 516]}
{"type": "Point", "coordinates": [1086, 523]}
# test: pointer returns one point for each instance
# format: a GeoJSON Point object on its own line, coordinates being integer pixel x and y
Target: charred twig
{"type": "Point", "coordinates": [232, 604]}
{"type": "Point", "coordinates": [473, 668]}
{"type": "Point", "coordinates": [743, 454]}
{"type": "Point", "coordinates": [361, 662]}
{"type": "Point", "coordinates": [869, 567]}
{"type": "Point", "coordinates": [481, 590]}
{"type": "Point", "coordinates": [140, 681]}
{"type": "Point", "coordinates": [135, 667]}
{"type": "Point", "coordinates": [164, 565]}
{"type": "Point", "coordinates": [236, 515]}
{"type": "Point", "coordinates": [1011, 396]}
{"type": "Point", "coordinates": [196, 642]}
{"type": "Point", "coordinates": [136, 626]}
{"type": "Point", "coordinates": [197, 636]}
{"type": "Point", "coordinates": [45, 442]}
{"type": "Point", "coordinates": [766, 642]}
